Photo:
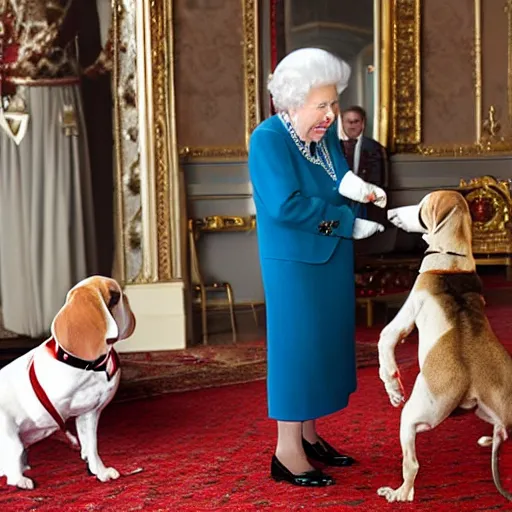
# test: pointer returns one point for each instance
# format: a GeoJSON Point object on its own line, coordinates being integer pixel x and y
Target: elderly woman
{"type": "Point", "coordinates": [306, 225]}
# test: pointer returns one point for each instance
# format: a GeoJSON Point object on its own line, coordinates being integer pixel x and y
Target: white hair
{"type": "Point", "coordinates": [302, 70]}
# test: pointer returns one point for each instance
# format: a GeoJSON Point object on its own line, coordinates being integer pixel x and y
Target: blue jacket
{"type": "Point", "coordinates": [300, 214]}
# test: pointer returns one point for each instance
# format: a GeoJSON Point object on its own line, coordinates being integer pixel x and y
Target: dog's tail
{"type": "Point", "coordinates": [499, 435]}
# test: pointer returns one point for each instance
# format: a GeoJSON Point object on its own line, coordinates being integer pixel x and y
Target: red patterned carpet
{"type": "Point", "coordinates": [151, 374]}
{"type": "Point", "coordinates": [210, 450]}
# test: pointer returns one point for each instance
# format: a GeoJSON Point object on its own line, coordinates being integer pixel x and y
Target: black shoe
{"type": "Point", "coordinates": [326, 454]}
{"type": "Point", "coordinates": [314, 478]}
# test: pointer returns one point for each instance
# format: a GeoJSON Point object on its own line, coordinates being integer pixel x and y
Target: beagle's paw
{"type": "Point", "coordinates": [394, 386]}
{"type": "Point", "coordinates": [400, 494]}
{"type": "Point", "coordinates": [22, 483]}
{"type": "Point", "coordinates": [394, 392]}
{"type": "Point", "coordinates": [106, 474]}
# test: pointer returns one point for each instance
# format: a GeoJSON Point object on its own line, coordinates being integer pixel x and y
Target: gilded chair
{"type": "Point", "coordinates": [490, 204]}
{"type": "Point", "coordinates": [209, 297]}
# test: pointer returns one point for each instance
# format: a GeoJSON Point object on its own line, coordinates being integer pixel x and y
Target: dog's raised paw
{"type": "Point", "coordinates": [393, 495]}
{"type": "Point", "coordinates": [394, 392]}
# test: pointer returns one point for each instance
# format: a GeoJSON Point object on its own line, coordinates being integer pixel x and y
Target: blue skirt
{"type": "Point", "coordinates": [310, 335]}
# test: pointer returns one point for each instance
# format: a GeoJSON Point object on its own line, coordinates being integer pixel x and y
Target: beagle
{"type": "Point", "coordinates": [462, 364]}
{"type": "Point", "coordinates": [73, 374]}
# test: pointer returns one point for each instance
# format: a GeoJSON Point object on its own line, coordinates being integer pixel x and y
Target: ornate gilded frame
{"type": "Point", "coordinates": [383, 39]}
{"type": "Point", "coordinates": [403, 23]}
{"type": "Point", "coordinates": [405, 95]}
{"type": "Point", "coordinates": [252, 113]}
{"type": "Point", "coordinates": [148, 178]}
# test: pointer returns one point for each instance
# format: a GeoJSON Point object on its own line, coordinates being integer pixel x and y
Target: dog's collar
{"type": "Point", "coordinates": [450, 253]}
{"type": "Point", "coordinates": [108, 363]}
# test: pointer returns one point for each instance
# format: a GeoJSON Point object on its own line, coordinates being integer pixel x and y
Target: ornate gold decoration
{"type": "Point", "coordinates": [222, 223]}
{"type": "Point", "coordinates": [508, 10]}
{"type": "Point", "coordinates": [406, 97]}
{"type": "Point", "coordinates": [491, 125]}
{"type": "Point", "coordinates": [161, 23]}
{"type": "Point", "coordinates": [213, 153]}
{"type": "Point", "coordinates": [251, 63]}
{"type": "Point", "coordinates": [478, 68]}
{"type": "Point", "coordinates": [148, 176]}
{"type": "Point", "coordinates": [68, 121]}
{"type": "Point", "coordinates": [482, 148]}
{"type": "Point", "coordinates": [406, 93]}
{"type": "Point", "coordinates": [14, 118]}
{"type": "Point", "coordinates": [490, 204]}
{"type": "Point", "coordinates": [489, 143]}
{"type": "Point", "coordinates": [383, 38]}
{"type": "Point", "coordinates": [251, 91]}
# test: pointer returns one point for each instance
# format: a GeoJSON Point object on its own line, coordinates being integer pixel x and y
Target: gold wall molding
{"type": "Point", "coordinates": [213, 153]}
{"type": "Point", "coordinates": [250, 29]}
{"type": "Point", "coordinates": [406, 75]}
{"type": "Point", "coordinates": [162, 67]}
{"type": "Point", "coordinates": [406, 129]}
{"type": "Point", "coordinates": [478, 69]}
{"type": "Point", "coordinates": [383, 41]}
{"type": "Point", "coordinates": [508, 11]}
{"type": "Point", "coordinates": [490, 143]}
{"type": "Point", "coordinates": [225, 223]}
{"type": "Point", "coordinates": [478, 149]}
{"type": "Point", "coordinates": [148, 178]}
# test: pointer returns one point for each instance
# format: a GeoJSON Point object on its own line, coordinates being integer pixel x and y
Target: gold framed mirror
{"type": "Point", "coordinates": [360, 35]}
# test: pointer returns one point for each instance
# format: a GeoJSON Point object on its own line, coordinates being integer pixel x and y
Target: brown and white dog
{"type": "Point", "coordinates": [74, 374]}
{"type": "Point", "coordinates": [462, 363]}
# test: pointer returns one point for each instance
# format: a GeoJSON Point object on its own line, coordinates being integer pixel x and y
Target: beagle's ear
{"type": "Point", "coordinates": [119, 307]}
{"type": "Point", "coordinates": [84, 325]}
{"type": "Point", "coordinates": [444, 204]}
{"type": "Point", "coordinates": [115, 296]}
{"type": "Point", "coordinates": [112, 333]}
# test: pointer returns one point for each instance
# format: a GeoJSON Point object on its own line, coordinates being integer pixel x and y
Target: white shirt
{"type": "Point", "coordinates": [357, 150]}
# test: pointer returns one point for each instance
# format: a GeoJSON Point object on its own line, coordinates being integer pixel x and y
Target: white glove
{"type": "Point", "coordinates": [365, 228]}
{"type": "Point", "coordinates": [407, 218]}
{"type": "Point", "coordinates": [353, 187]}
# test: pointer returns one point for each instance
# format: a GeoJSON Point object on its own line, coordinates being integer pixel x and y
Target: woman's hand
{"type": "Point", "coordinates": [353, 187]}
{"type": "Point", "coordinates": [365, 228]}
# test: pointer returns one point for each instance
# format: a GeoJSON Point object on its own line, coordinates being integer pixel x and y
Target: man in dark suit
{"type": "Point", "coordinates": [369, 160]}
{"type": "Point", "coordinates": [365, 156]}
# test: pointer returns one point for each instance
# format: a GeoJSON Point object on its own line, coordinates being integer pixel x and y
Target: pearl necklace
{"type": "Point", "coordinates": [321, 156]}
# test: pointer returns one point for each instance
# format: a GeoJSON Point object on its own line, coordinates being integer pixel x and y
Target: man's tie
{"type": "Point", "coordinates": [349, 147]}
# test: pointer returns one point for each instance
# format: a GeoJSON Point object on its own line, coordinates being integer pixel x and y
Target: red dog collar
{"type": "Point", "coordinates": [109, 363]}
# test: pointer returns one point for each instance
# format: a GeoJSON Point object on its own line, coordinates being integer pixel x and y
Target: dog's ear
{"type": "Point", "coordinates": [84, 326]}
{"type": "Point", "coordinates": [119, 308]}
{"type": "Point", "coordinates": [439, 207]}
{"type": "Point", "coordinates": [114, 298]}
{"type": "Point", "coordinates": [112, 333]}
{"type": "Point", "coordinates": [421, 219]}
